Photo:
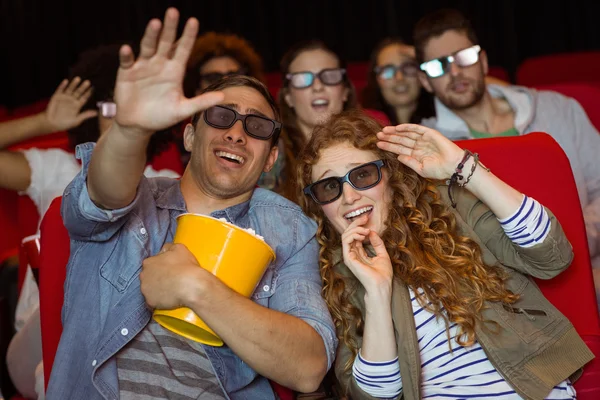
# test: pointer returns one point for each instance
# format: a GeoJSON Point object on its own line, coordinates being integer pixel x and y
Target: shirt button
{"type": "Point", "coordinates": [94, 363]}
{"type": "Point", "coordinates": [124, 331]}
{"type": "Point", "coordinates": [266, 288]}
{"type": "Point", "coordinates": [143, 231]}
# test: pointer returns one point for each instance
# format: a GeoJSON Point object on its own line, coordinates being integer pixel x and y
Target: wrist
{"type": "Point", "coordinates": [455, 159]}
{"type": "Point", "coordinates": [43, 123]}
{"type": "Point", "coordinates": [132, 133]}
{"type": "Point", "coordinates": [378, 296]}
{"type": "Point", "coordinates": [199, 288]}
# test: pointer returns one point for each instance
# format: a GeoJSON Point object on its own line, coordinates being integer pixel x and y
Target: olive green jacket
{"type": "Point", "coordinates": [534, 348]}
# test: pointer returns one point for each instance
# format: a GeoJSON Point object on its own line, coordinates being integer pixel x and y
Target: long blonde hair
{"type": "Point", "coordinates": [421, 237]}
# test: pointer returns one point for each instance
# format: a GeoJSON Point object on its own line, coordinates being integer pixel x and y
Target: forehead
{"type": "Point", "coordinates": [395, 54]}
{"type": "Point", "coordinates": [219, 64]}
{"type": "Point", "coordinates": [247, 99]}
{"type": "Point", "coordinates": [447, 43]}
{"type": "Point", "coordinates": [314, 61]}
{"type": "Point", "coordinates": [340, 158]}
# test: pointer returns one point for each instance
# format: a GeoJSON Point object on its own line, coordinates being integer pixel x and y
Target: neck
{"type": "Point", "coordinates": [305, 129]}
{"type": "Point", "coordinates": [404, 113]}
{"type": "Point", "coordinates": [198, 200]}
{"type": "Point", "coordinates": [479, 115]}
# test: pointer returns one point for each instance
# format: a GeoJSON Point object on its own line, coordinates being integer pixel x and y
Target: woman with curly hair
{"type": "Point", "coordinates": [428, 280]}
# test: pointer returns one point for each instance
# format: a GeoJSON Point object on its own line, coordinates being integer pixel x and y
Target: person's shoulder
{"type": "Point", "coordinates": [545, 98]}
{"type": "Point", "coordinates": [430, 122]}
{"type": "Point", "coordinates": [47, 154]}
{"type": "Point", "coordinates": [275, 205]}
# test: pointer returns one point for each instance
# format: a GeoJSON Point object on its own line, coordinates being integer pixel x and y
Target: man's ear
{"type": "Point", "coordinates": [484, 62]}
{"type": "Point", "coordinates": [188, 137]}
{"type": "Point", "coordinates": [271, 158]}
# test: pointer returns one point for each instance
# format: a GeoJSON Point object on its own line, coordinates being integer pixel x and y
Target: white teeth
{"type": "Point", "coordinates": [358, 212]}
{"type": "Point", "coordinates": [230, 156]}
{"type": "Point", "coordinates": [401, 88]}
{"type": "Point", "coordinates": [320, 102]}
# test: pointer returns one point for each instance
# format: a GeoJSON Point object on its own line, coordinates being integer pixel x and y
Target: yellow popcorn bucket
{"type": "Point", "coordinates": [235, 256]}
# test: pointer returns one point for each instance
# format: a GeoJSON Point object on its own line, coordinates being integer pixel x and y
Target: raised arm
{"type": "Point", "coordinates": [149, 97]}
{"type": "Point", "coordinates": [520, 232]}
{"type": "Point", "coordinates": [62, 113]}
{"type": "Point", "coordinates": [433, 156]}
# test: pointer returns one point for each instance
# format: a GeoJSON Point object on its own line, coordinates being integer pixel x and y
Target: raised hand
{"type": "Point", "coordinates": [372, 272]}
{"type": "Point", "coordinates": [148, 91]}
{"type": "Point", "coordinates": [425, 150]}
{"type": "Point", "coordinates": [62, 112]}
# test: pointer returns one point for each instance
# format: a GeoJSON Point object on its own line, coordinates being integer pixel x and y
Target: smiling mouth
{"type": "Point", "coordinates": [357, 213]}
{"type": "Point", "coordinates": [401, 89]}
{"type": "Point", "coordinates": [230, 157]}
{"type": "Point", "coordinates": [320, 103]}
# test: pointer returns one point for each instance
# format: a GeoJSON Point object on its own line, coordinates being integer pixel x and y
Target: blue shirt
{"type": "Point", "coordinates": [104, 308]}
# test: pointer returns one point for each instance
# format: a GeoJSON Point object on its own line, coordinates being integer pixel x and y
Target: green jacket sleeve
{"type": "Point", "coordinates": [544, 260]}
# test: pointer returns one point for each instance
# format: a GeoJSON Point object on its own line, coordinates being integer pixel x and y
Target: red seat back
{"type": "Point", "coordinates": [169, 159]}
{"type": "Point", "coordinates": [499, 72]}
{"type": "Point", "coordinates": [560, 68]}
{"type": "Point", "coordinates": [537, 166]}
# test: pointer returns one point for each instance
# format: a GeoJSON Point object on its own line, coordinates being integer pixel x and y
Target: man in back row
{"type": "Point", "coordinates": [119, 221]}
{"type": "Point", "coordinates": [453, 68]}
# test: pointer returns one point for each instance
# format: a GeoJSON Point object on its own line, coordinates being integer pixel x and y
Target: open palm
{"type": "Point", "coordinates": [425, 150]}
{"type": "Point", "coordinates": [148, 91]}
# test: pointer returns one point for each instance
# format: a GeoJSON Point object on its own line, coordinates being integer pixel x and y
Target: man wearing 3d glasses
{"type": "Point", "coordinates": [453, 67]}
{"type": "Point", "coordinates": [120, 267]}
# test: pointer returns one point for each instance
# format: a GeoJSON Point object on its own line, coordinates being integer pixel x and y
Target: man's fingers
{"type": "Point", "coordinates": [186, 41]}
{"type": "Point", "coordinates": [126, 58]}
{"type": "Point", "coordinates": [168, 33]}
{"type": "Point", "coordinates": [148, 43]}
{"type": "Point", "coordinates": [196, 104]}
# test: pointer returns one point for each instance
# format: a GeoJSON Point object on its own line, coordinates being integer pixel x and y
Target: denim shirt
{"type": "Point", "coordinates": [104, 308]}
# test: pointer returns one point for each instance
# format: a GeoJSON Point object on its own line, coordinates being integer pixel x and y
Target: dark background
{"type": "Point", "coordinates": [41, 38]}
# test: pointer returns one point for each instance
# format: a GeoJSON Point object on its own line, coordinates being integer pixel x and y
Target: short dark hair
{"type": "Point", "coordinates": [243, 81]}
{"type": "Point", "coordinates": [436, 24]}
{"type": "Point", "coordinates": [100, 65]}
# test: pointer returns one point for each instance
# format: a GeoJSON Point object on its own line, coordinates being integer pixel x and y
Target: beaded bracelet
{"type": "Point", "coordinates": [457, 177]}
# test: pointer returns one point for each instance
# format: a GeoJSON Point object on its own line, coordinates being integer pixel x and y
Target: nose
{"type": "Point", "coordinates": [454, 69]}
{"type": "Point", "coordinates": [236, 133]}
{"type": "Point", "coordinates": [317, 85]}
{"type": "Point", "coordinates": [399, 76]}
{"type": "Point", "coordinates": [349, 194]}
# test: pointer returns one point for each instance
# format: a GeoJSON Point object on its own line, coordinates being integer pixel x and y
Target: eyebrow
{"type": "Point", "coordinates": [248, 111]}
{"type": "Point", "coordinates": [347, 165]}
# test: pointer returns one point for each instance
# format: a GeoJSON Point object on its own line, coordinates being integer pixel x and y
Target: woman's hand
{"type": "Point", "coordinates": [425, 150]}
{"type": "Point", "coordinates": [374, 273]}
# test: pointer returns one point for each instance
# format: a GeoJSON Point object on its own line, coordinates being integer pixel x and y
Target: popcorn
{"type": "Point", "coordinates": [249, 230]}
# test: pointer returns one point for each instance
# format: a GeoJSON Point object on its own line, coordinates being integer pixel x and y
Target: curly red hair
{"type": "Point", "coordinates": [421, 237]}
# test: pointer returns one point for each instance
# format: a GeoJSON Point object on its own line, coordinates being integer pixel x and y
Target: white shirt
{"type": "Point", "coordinates": [53, 169]}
